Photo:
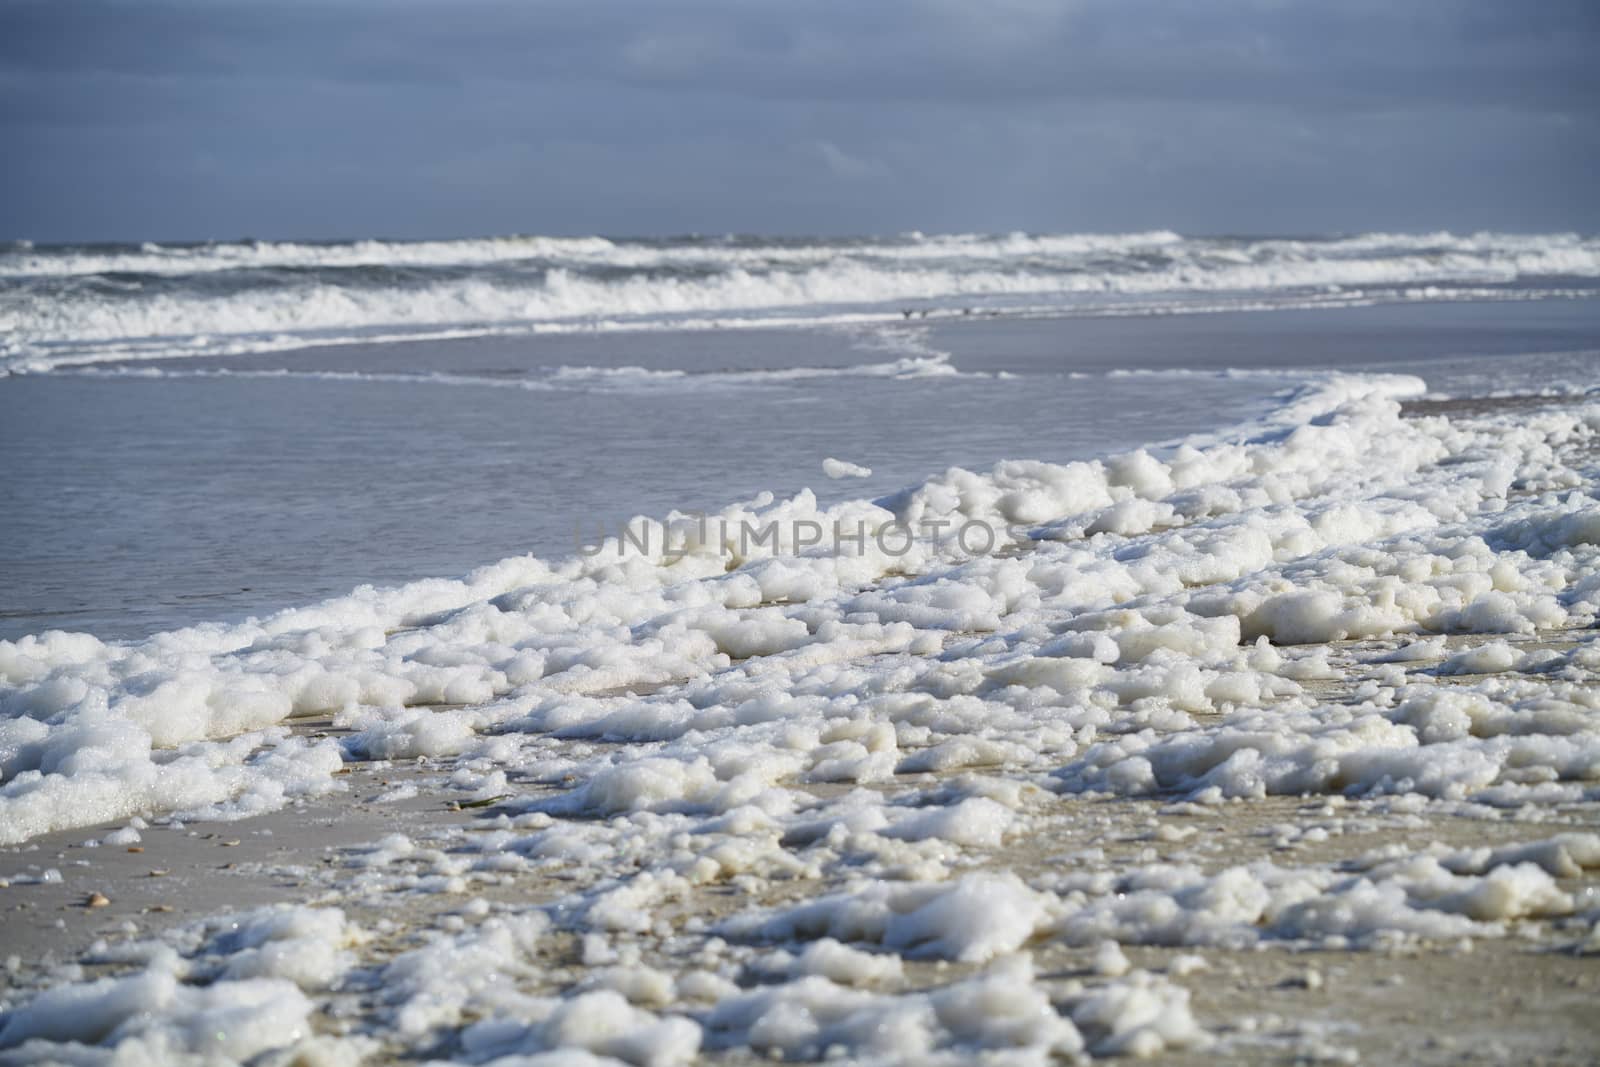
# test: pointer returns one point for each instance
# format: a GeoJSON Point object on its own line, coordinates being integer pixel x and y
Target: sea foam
{"type": "Point", "coordinates": [65, 306]}
{"type": "Point", "coordinates": [1135, 578]}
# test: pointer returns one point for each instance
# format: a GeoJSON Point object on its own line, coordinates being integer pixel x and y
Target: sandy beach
{"type": "Point", "coordinates": [906, 534]}
{"type": "Point", "coordinates": [1526, 996]}
{"type": "Point", "coordinates": [912, 888]}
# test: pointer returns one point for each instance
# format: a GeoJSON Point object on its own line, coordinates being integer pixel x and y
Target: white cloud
{"type": "Point", "coordinates": [850, 167]}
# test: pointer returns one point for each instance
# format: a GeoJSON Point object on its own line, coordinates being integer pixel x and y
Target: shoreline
{"type": "Point", "coordinates": [678, 912]}
{"type": "Point", "coordinates": [90, 583]}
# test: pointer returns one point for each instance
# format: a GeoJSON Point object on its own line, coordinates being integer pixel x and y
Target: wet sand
{"type": "Point", "coordinates": [1528, 997]}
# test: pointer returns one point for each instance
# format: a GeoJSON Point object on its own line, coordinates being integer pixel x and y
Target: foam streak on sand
{"type": "Point", "coordinates": [1249, 615]}
{"type": "Point", "coordinates": [581, 379]}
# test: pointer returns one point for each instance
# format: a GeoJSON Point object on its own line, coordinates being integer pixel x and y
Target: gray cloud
{"type": "Point", "coordinates": [215, 119]}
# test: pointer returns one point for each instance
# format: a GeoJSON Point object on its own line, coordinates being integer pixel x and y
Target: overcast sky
{"type": "Point", "coordinates": [151, 119]}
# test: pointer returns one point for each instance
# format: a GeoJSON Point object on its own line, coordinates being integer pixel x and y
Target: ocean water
{"type": "Point", "coordinates": [199, 433]}
{"type": "Point", "coordinates": [79, 304]}
{"type": "Point", "coordinates": [1318, 674]}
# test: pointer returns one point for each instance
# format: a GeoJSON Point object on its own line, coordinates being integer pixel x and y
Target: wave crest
{"type": "Point", "coordinates": [73, 305]}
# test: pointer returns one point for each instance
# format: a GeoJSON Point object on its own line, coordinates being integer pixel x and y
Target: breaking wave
{"type": "Point", "coordinates": [70, 305]}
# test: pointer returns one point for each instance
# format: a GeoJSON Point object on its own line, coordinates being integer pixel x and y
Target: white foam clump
{"type": "Point", "coordinates": [838, 468]}
{"type": "Point", "coordinates": [223, 990]}
{"type": "Point", "coordinates": [1491, 658]}
{"type": "Point", "coordinates": [975, 821]}
{"type": "Point", "coordinates": [971, 919]}
{"type": "Point", "coordinates": [1140, 1017]}
{"type": "Point", "coordinates": [1001, 1009]}
{"type": "Point", "coordinates": [308, 946]}
{"type": "Point", "coordinates": [1110, 960]}
{"type": "Point", "coordinates": [1562, 856]}
{"type": "Point", "coordinates": [232, 987]}
{"type": "Point", "coordinates": [1414, 896]}
{"type": "Point", "coordinates": [152, 1018]}
{"type": "Point", "coordinates": [469, 982]}
{"type": "Point", "coordinates": [840, 963]}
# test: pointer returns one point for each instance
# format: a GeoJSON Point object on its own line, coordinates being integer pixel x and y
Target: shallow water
{"type": "Point", "coordinates": [148, 496]}
{"type": "Point", "coordinates": [1326, 682]}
